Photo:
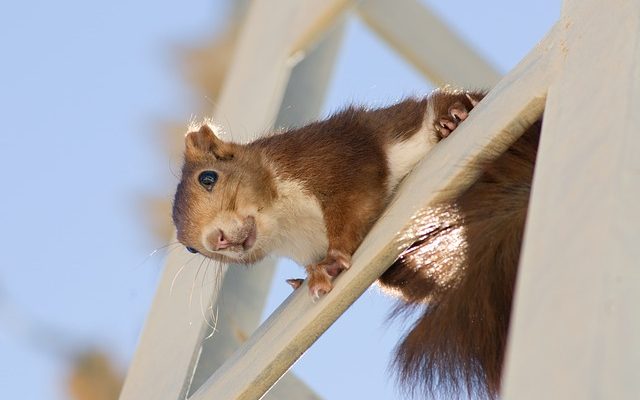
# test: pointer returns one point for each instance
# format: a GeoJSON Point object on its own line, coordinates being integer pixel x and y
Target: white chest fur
{"type": "Point", "coordinates": [403, 156]}
{"type": "Point", "coordinates": [302, 234]}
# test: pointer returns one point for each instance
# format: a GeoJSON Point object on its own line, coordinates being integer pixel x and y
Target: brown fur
{"type": "Point", "coordinates": [243, 179]}
{"type": "Point", "coordinates": [340, 161]}
{"type": "Point", "coordinates": [465, 287]}
{"type": "Point", "coordinates": [462, 265]}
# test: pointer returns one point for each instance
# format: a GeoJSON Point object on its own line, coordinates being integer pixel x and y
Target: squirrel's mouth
{"type": "Point", "coordinates": [236, 241]}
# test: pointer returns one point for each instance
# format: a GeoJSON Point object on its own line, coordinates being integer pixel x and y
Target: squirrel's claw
{"type": "Point", "coordinates": [295, 282]}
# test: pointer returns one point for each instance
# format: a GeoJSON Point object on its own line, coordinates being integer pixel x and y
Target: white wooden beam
{"type": "Point", "coordinates": [428, 43]}
{"type": "Point", "coordinates": [170, 343]}
{"type": "Point", "coordinates": [576, 326]}
{"type": "Point", "coordinates": [496, 123]}
{"type": "Point", "coordinates": [312, 23]}
{"type": "Point", "coordinates": [244, 290]}
{"type": "Point", "coordinates": [267, 50]}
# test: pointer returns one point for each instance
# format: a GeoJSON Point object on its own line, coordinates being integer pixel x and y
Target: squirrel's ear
{"type": "Point", "coordinates": [204, 140]}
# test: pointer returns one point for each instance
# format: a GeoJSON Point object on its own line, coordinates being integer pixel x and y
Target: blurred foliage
{"type": "Point", "coordinates": [94, 377]}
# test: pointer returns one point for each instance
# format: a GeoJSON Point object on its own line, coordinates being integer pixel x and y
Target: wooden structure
{"type": "Point", "coordinates": [576, 330]}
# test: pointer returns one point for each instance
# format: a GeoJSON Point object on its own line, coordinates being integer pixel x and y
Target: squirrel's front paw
{"type": "Point", "coordinates": [456, 113]}
{"type": "Point", "coordinates": [295, 282]}
{"type": "Point", "coordinates": [319, 281]}
{"type": "Point", "coordinates": [335, 262]}
{"type": "Point", "coordinates": [447, 123]}
{"type": "Point", "coordinates": [321, 274]}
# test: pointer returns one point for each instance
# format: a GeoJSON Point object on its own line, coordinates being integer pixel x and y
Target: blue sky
{"type": "Point", "coordinates": [82, 85]}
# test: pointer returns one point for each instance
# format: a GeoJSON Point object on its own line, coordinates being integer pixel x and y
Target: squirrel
{"type": "Point", "coordinates": [312, 193]}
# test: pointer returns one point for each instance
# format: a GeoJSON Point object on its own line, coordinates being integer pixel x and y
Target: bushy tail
{"type": "Point", "coordinates": [462, 272]}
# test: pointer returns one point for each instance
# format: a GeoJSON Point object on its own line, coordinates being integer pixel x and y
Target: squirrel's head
{"type": "Point", "coordinates": [221, 205]}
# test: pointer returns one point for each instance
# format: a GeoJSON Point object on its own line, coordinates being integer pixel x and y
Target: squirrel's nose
{"type": "Point", "coordinates": [218, 240]}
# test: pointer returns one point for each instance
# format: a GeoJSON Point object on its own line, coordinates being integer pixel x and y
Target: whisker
{"type": "Point", "coordinates": [211, 324]}
{"type": "Point", "coordinates": [175, 277]}
{"type": "Point", "coordinates": [218, 289]}
{"type": "Point", "coordinates": [195, 278]}
{"type": "Point", "coordinates": [204, 277]}
{"type": "Point", "coordinates": [215, 323]}
{"type": "Point", "coordinates": [156, 250]}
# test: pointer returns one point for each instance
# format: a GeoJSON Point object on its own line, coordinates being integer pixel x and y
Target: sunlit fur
{"type": "Point", "coordinates": [316, 190]}
{"type": "Point", "coordinates": [460, 272]}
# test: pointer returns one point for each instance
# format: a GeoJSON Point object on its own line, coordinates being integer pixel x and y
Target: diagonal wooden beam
{"type": "Point", "coordinates": [170, 344]}
{"type": "Point", "coordinates": [429, 44]}
{"type": "Point", "coordinates": [244, 290]}
{"type": "Point", "coordinates": [267, 50]}
{"type": "Point", "coordinates": [497, 122]}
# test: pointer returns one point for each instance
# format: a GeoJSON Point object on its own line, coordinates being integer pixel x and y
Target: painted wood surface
{"type": "Point", "coordinates": [576, 327]}
{"type": "Point", "coordinates": [170, 344]}
{"type": "Point", "coordinates": [428, 43]}
{"type": "Point", "coordinates": [267, 50]}
{"type": "Point", "coordinates": [170, 341]}
{"type": "Point", "coordinates": [498, 121]}
{"type": "Point", "coordinates": [244, 290]}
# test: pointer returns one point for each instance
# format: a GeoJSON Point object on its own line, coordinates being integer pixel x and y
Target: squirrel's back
{"type": "Point", "coordinates": [312, 193]}
{"type": "Point", "coordinates": [461, 270]}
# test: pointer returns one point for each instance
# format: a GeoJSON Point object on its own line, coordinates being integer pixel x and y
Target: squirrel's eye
{"type": "Point", "coordinates": [192, 250]}
{"type": "Point", "coordinates": [207, 179]}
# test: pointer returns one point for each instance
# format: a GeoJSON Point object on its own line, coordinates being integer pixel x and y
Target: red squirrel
{"type": "Point", "coordinates": [312, 193]}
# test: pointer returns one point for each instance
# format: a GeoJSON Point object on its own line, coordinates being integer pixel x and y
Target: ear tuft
{"type": "Point", "coordinates": [204, 141]}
